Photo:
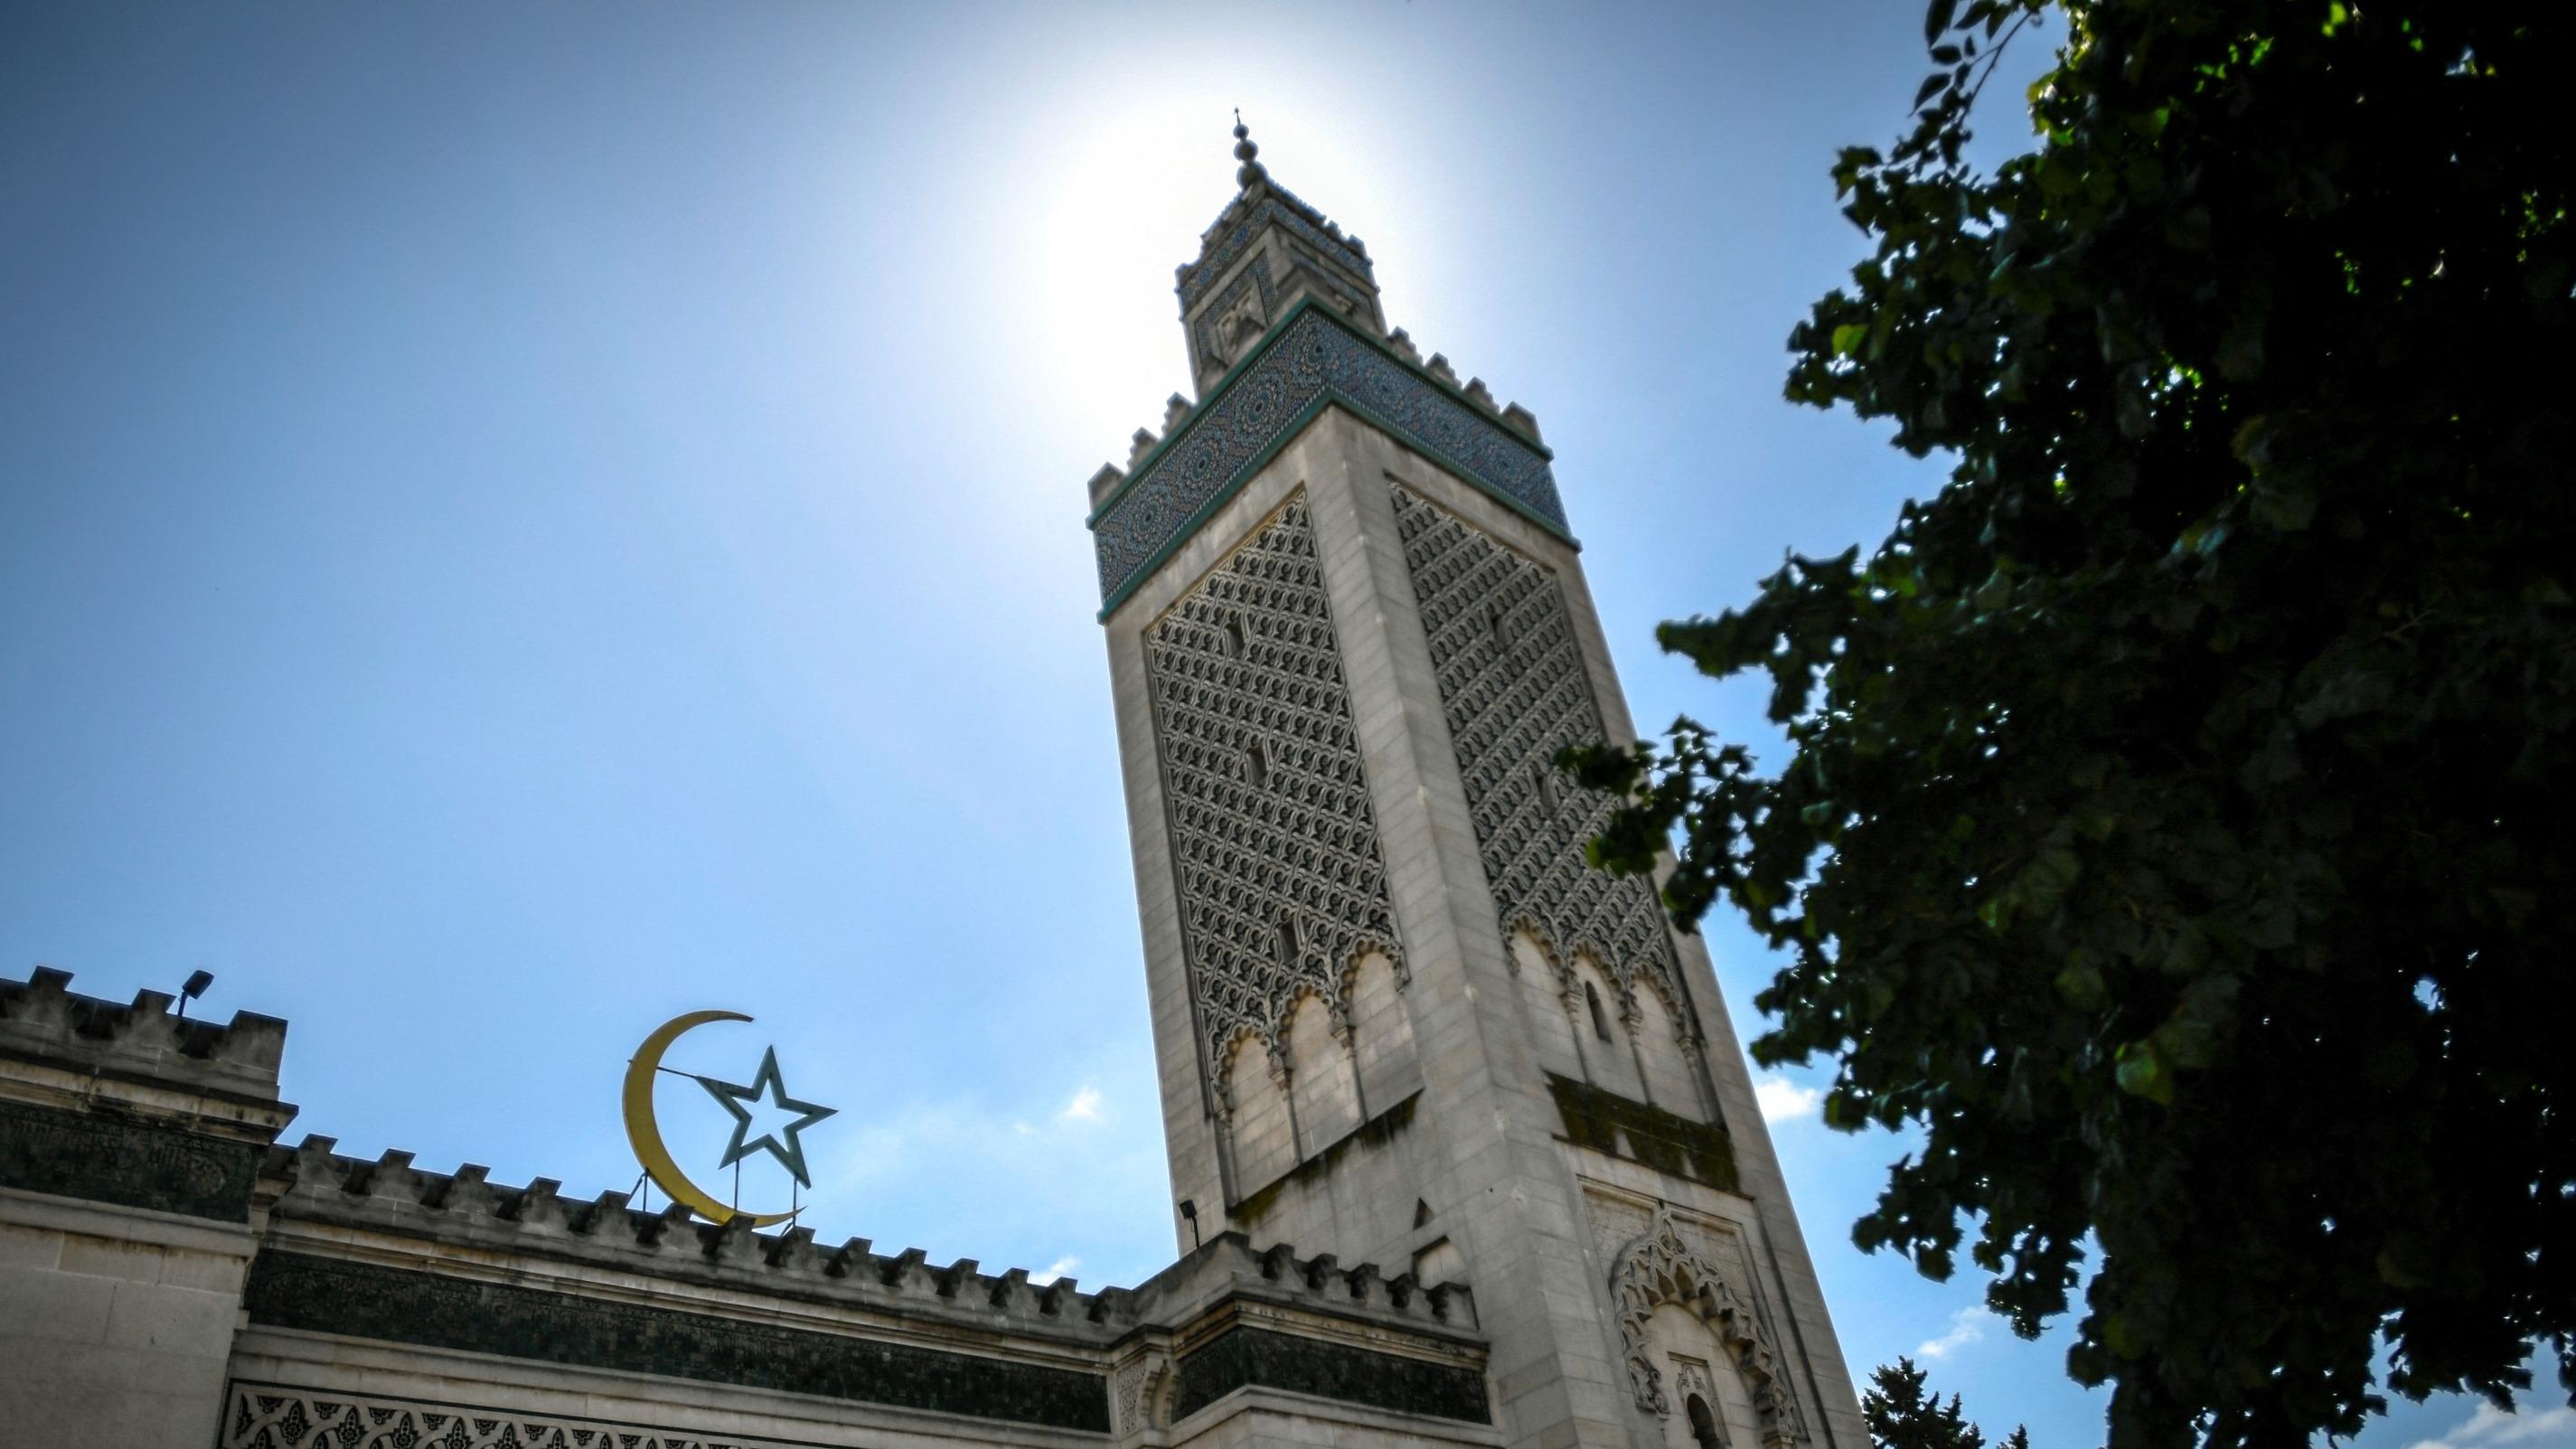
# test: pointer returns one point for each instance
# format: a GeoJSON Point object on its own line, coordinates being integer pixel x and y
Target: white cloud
{"type": "Point", "coordinates": [1967, 1326]}
{"type": "Point", "coordinates": [2487, 1426]}
{"type": "Point", "coordinates": [1783, 1100]}
{"type": "Point", "coordinates": [1085, 1107]}
{"type": "Point", "coordinates": [1055, 1270]}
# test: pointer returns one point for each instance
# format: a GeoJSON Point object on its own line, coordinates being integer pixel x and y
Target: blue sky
{"type": "Point", "coordinates": [520, 521]}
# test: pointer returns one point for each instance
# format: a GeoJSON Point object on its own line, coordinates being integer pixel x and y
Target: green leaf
{"type": "Point", "coordinates": [2142, 1073]}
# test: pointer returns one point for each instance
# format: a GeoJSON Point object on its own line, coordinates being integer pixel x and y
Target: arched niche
{"type": "Point", "coordinates": [1661, 1270]}
{"type": "Point", "coordinates": [1381, 1032]}
{"type": "Point", "coordinates": [1601, 1029]}
{"type": "Point", "coordinates": [1543, 1003]}
{"type": "Point", "coordinates": [1322, 1082]}
{"type": "Point", "coordinates": [1671, 1083]}
{"type": "Point", "coordinates": [1255, 1106]}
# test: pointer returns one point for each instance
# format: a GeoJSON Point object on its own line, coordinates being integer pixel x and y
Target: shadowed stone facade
{"type": "Point", "coordinates": [1398, 1024]}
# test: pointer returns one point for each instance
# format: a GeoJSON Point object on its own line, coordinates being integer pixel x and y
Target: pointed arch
{"type": "Point", "coordinates": [1660, 1266]}
{"type": "Point", "coordinates": [1323, 1082]}
{"type": "Point", "coordinates": [1253, 1115]}
{"type": "Point", "coordinates": [1380, 1029]}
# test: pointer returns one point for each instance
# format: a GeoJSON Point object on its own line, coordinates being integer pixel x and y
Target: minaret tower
{"type": "Point", "coordinates": [1398, 1018]}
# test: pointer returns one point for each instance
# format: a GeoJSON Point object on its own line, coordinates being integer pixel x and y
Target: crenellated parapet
{"type": "Point", "coordinates": [128, 1105]}
{"type": "Point", "coordinates": [321, 1193]}
{"type": "Point", "coordinates": [140, 1041]}
{"type": "Point", "coordinates": [318, 1194]}
{"type": "Point", "coordinates": [123, 1122]}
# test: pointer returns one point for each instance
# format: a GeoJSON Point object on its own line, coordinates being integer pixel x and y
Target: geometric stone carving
{"type": "Point", "coordinates": [266, 1416]}
{"type": "Point", "coordinates": [1513, 687]}
{"type": "Point", "coordinates": [1660, 1266]}
{"type": "Point", "coordinates": [1142, 1389]}
{"type": "Point", "coordinates": [1282, 885]}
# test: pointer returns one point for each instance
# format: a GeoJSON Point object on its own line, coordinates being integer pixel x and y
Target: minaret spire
{"type": "Point", "coordinates": [1266, 251]}
{"type": "Point", "coordinates": [1244, 151]}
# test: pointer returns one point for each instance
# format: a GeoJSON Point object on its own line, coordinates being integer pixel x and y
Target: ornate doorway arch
{"type": "Point", "coordinates": [1659, 1266]}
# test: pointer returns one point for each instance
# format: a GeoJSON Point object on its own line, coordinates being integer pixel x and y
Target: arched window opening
{"type": "Point", "coordinates": [1543, 780]}
{"type": "Point", "coordinates": [1288, 943]}
{"type": "Point", "coordinates": [1703, 1424]}
{"type": "Point", "coordinates": [1499, 624]}
{"type": "Point", "coordinates": [1257, 765]}
{"type": "Point", "coordinates": [1600, 1023]}
{"type": "Point", "coordinates": [1233, 638]}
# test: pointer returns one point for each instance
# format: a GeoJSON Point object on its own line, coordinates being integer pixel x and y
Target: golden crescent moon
{"type": "Point", "coordinates": [646, 1134]}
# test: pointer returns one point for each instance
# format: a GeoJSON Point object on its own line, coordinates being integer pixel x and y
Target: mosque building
{"type": "Point", "coordinates": [1463, 1148]}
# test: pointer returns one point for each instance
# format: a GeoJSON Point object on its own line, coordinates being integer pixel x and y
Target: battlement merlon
{"type": "Point", "coordinates": [138, 1060]}
{"type": "Point", "coordinates": [324, 1196]}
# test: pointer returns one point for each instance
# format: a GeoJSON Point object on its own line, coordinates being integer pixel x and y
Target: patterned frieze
{"type": "Point", "coordinates": [100, 1158]}
{"type": "Point", "coordinates": [435, 1310]}
{"type": "Point", "coordinates": [283, 1416]}
{"type": "Point", "coordinates": [1245, 1356]}
{"type": "Point", "coordinates": [1514, 690]}
{"type": "Point", "coordinates": [1311, 358]}
{"type": "Point", "coordinates": [1274, 840]}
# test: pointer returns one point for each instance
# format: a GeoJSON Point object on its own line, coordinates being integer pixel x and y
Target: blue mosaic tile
{"type": "Point", "coordinates": [1314, 358]}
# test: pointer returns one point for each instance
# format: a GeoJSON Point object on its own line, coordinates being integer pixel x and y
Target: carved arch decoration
{"type": "Point", "coordinates": [1660, 1266]}
{"type": "Point", "coordinates": [1144, 1394]}
{"type": "Point", "coordinates": [1624, 986]}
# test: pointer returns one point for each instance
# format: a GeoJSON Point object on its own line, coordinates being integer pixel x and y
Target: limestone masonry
{"type": "Point", "coordinates": [1399, 1023]}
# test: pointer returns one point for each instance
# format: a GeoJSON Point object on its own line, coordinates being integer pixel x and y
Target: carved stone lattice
{"type": "Point", "coordinates": [1513, 686]}
{"type": "Point", "coordinates": [1662, 1267]}
{"type": "Point", "coordinates": [1282, 881]}
{"type": "Point", "coordinates": [265, 1416]}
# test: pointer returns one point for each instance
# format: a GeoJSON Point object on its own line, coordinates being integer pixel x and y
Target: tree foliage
{"type": "Point", "coordinates": [2175, 817]}
{"type": "Point", "coordinates": [1903, 1414]}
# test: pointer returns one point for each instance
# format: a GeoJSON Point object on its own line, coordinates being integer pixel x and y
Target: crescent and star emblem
{"type": "Point", "coordinates": [644, 1130]}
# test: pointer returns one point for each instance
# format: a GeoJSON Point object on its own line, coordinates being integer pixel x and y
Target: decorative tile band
{"type": "Point", "coordinates": [130, 1164]}
{"type": "Point", "coordinates": [276, 1416]}
{"type": "Point", "coordinates": [1311, 358]}
{"type": "Point", "coordinates": [293, 1290]}
{"type": "Point", "coordinates": [1242, 1357]}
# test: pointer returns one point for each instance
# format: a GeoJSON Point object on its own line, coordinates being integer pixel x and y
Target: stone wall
{"type": "Point", "coordinates": [129, 1148]}
{"type": "Point", "coordinates": [168, 1278]}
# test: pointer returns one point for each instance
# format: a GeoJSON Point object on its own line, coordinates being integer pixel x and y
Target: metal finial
{"type": "Point", "coordinates": [1244, 151]}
